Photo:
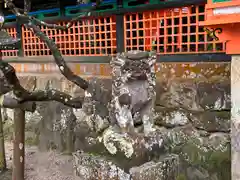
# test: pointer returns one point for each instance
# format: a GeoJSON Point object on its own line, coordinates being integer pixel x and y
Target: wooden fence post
{"type": "Point", "coordinates": [18, 145]}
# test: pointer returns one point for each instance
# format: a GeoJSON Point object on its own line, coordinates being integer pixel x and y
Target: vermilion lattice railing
{"type": "Point", "coordinates": [86, 37]}
{"type": "Point", "coordinates": [170, 31]}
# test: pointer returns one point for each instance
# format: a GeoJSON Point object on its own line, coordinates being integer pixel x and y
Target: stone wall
{"type": "Point", "coordinates": [192, 113]}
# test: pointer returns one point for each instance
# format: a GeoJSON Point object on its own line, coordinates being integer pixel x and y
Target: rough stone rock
{"type": "Point", "coordinates": [171, 117]}
{"type": "Point", "coordinates": [31, 138]}
{"type": "Point", "coordinates": [87, 129]}
{"type": "Point", "coordinates": [210, 121]}
{"type": "Point", "coordinates": [94, 167]}
{"type": "Point", "coordinates": [118, 146]}
{"type": "Point", "coordinates": [137, 147]}
{"type": "Point", "coordinates": [167, 168]}
{"type": "Point", "coordinates": [214, 95]}
{"type": "Point", "coordinates": [209, 155]}
{"type": "Point", "coordinates": [180, 94]}
{"type": "Point", "coordinates": [202, 153]}
{"type": "Point", "coordinates": [200, 95]}
{"type": "Point", "coordinates": [193, 122]}
{"type": "Point", "coordinates": [197, 173]}
{"type": "Point", "coordinates": [54, 128]}
{"type": "Point", "coordinates": [218, 121]}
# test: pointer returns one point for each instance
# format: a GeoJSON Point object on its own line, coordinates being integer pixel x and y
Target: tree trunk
{"type": "Point", "coordinates": [18, 145]}
{"type": "Point", "coordinates": [3, 165]}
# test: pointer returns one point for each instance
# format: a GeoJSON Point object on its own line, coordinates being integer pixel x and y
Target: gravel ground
{"type": "Point", "coordinates": [41, 165]}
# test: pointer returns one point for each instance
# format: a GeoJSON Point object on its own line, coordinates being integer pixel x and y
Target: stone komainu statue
{"type": "Point", "coordinates": [133, 89]}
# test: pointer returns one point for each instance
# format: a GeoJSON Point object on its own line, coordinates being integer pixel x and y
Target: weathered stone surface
{"type": "Point", "coordinates": [120, 147]}
{"type": "Point", "coordinates": [202, 157]}
{"type": "Point", "coordinates": [135, 146]}
{"type": "Point", "coordinates": [196, 95]}
{"type": "Point", "coordinates": [171, 117]}
{"type": "Point", "coordinates": [86, 134]}
{"type": "Point", "coordinates": [167, 168]}
{"type": "Point", "coordinates": [193, 70]}
{"type": "Point", "coordinates": [193, 100]}
{"type": "Point", "coordinates": [212, 121]}
{"type": "Point", "coordinates": [31, 138]}
{"type": "Point", "coordinates": [180, 94]}
{"type": "Point", "coordinates": [53, 128]}
{"type": "Point", "coordinates": [214, 95]}
{"type": "Point", "coordinates": [91, 167]}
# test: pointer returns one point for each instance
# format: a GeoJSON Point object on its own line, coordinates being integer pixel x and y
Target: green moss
{"type": "Point", "coordinates": [8, 130]}
{"type": "Point", "coordinates": [214, 161]}
{"type": "Point", "coordinates": [181, 177]}
{"type": "Point", "coordinates": [221, 162]}
{"type": "Point", "coordinates": [2, 161]}
{"type": "Point", "coordinates": [31, 141]}
{"type": "Point", "coordinates": [93, 154]}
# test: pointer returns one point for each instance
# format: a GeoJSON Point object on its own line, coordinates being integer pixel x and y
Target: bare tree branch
{"type": "Point", "coordinates": [23, 95]}
{"type": "Point", "coordinates": [62, 65]}
{"type": "Point", "coordinates": [11, 78]}
{"type": "Point", "coordinates": [6, 101]}
{"type": "Point", "coordinates": [54, 95]}
{"type": "Point", "coordinates": [12, 7]}
{"type": "Point", "coordinates": [27, 6]}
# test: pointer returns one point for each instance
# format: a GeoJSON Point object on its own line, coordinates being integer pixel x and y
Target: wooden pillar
{"type": "Point", "coordinates": [18, 145]}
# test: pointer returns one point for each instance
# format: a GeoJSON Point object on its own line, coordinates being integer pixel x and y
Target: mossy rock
{"type": "Point", "coordinates": [31, 138]}
{"type": "Point", "coordinates": [181, 177]}
{"type": "Point", "coordinates": [8, 130]}
{"type": "Point", "coordinates": [207, 155]}
{"type": "Point", "coordinates": [215, 161]}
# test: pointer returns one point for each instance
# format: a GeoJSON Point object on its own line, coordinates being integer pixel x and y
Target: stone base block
{"type": "Point", "coordinates": [92, 167]}
{"type": "Point", "coordinates": [167, 168]}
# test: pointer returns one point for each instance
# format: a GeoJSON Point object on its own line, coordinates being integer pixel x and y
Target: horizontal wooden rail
{"type": "Point", "coordinates": [209, 57]}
